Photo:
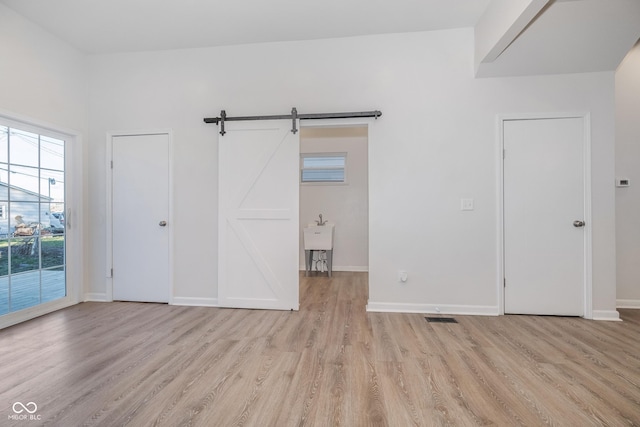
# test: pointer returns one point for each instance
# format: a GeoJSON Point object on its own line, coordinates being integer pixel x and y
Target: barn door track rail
{"type": "Point", "coordinates": [294, 116]}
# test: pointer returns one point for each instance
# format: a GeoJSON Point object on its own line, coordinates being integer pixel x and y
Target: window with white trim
{"type": "Point", "coordinates": [323, 168]}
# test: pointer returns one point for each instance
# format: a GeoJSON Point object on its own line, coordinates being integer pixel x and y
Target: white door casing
{"type": "Point", "coordinates": [258, 216]}
{"type": "Point", "coordinates": [544, 192]}
{"type": "Point", "coordinates": [139, 204]}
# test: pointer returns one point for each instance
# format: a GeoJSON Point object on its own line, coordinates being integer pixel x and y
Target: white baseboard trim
{"type": "Point", "coordinates": [203, 302]}
{"type": "Point", "coordinates": [467, 310]}
{"type": "Point", "coordinates": [611, 315]}
{"type": "Point", "coordinates": [197, 302]}
{"type": "Point", "coordinates": [628, 303]}
{"type": "Point", "coordinates": [354, 268]}
{"type": "Point", "coordinates": [96, 297]}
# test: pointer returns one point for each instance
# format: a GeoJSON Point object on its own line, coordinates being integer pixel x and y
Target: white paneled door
{"type": "Point", "coordinates": [544, 216]}
{"type": "Point", "coordinates": [140, 217]}
{"type": "Point", "coordinates": [258, 216]}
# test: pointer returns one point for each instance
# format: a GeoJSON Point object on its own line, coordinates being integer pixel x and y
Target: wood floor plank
{"type": "Point", "coordinates": [329, 364]}
{"type": "Point", "coordinates": [301, 402]}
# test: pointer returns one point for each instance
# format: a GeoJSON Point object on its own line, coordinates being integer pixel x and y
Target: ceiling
{"type": "Point", "coordinates": [570, 36]}
{"type": "Point", "coordinates": [549, 37]}
{"type": "Point", "coordinates": [105, 26]}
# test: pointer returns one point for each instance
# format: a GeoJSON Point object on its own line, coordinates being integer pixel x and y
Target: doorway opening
{"type": "Point", "coordinates": [334, 171]}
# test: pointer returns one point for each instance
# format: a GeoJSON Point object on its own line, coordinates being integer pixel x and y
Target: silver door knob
{"type": "Point", "coordinates": [162, 223]}
{"type": "Point", "coordinates": [578, 223]}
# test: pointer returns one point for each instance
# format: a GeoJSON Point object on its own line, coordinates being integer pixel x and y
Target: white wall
{"type": "Point", "coordinates": [628, 166]}
{"type": "Point", "coordinates": [435, 143]}
{"type": "Point", "coordinates": [45, 82]}
{"type": "Point", "coordinates": [345, 205]}
{"type": "Point", "coordinates": [41, 77]}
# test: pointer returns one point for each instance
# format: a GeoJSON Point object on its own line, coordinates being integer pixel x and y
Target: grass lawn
{"type": "Point", "coordinates": [52, 248]}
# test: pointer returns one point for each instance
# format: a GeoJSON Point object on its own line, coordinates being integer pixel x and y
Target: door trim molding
{"type": "Point", "coordinates": [588, 250]}
{"type": "Point", "coordinates": [109, 206]}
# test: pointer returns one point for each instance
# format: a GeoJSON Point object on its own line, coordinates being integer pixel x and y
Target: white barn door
{"type": "Point", "coordinates": [258, 216]}
{"type": "Point", "coordinates": [544, 216]}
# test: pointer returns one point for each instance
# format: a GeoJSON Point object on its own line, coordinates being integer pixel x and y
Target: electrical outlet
{"type": "Point", "coordinates": [466, 204]}
{"type": "Point", "coordinates": [402, 276]}
{"type": "Point", "coordinates": [623, 182]}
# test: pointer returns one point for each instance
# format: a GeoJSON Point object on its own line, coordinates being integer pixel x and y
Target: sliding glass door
{"type": "Point", "coordinates": [32, 219]}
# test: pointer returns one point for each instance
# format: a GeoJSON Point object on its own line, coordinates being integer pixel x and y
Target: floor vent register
{"type": "Point", "coordinates": [441, 320]}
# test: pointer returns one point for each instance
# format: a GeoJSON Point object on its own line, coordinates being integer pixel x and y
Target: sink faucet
{"type": "Point", "coordinates": [321, 222]}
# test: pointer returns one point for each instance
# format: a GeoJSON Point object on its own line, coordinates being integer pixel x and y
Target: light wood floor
{"type": "Point", "coordinates": [330, 364]}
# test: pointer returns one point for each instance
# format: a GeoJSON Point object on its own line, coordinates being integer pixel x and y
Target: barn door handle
{"type": "Point", "coordinates": [578, 223]}
{"type": "Point", "coordinates": [162, 223]}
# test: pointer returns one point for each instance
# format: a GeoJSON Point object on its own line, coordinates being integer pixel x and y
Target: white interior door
{"type": "Point", "coordinates": [258, 216]}
{"type": "Point", "coordinates": [544, 188]}
{"type": "Point", "coordinates": [140, 217]}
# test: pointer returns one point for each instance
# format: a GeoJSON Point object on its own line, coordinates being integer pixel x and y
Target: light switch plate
{"type": "Point", "coordinates": [466, 204]}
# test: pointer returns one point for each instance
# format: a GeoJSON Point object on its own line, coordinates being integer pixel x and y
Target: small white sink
{"type": "Point", "coordinates": [318, 237]}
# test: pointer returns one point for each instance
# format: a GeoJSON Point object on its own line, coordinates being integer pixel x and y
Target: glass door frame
{"type": "Point", "coordinates": [73, 212]}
